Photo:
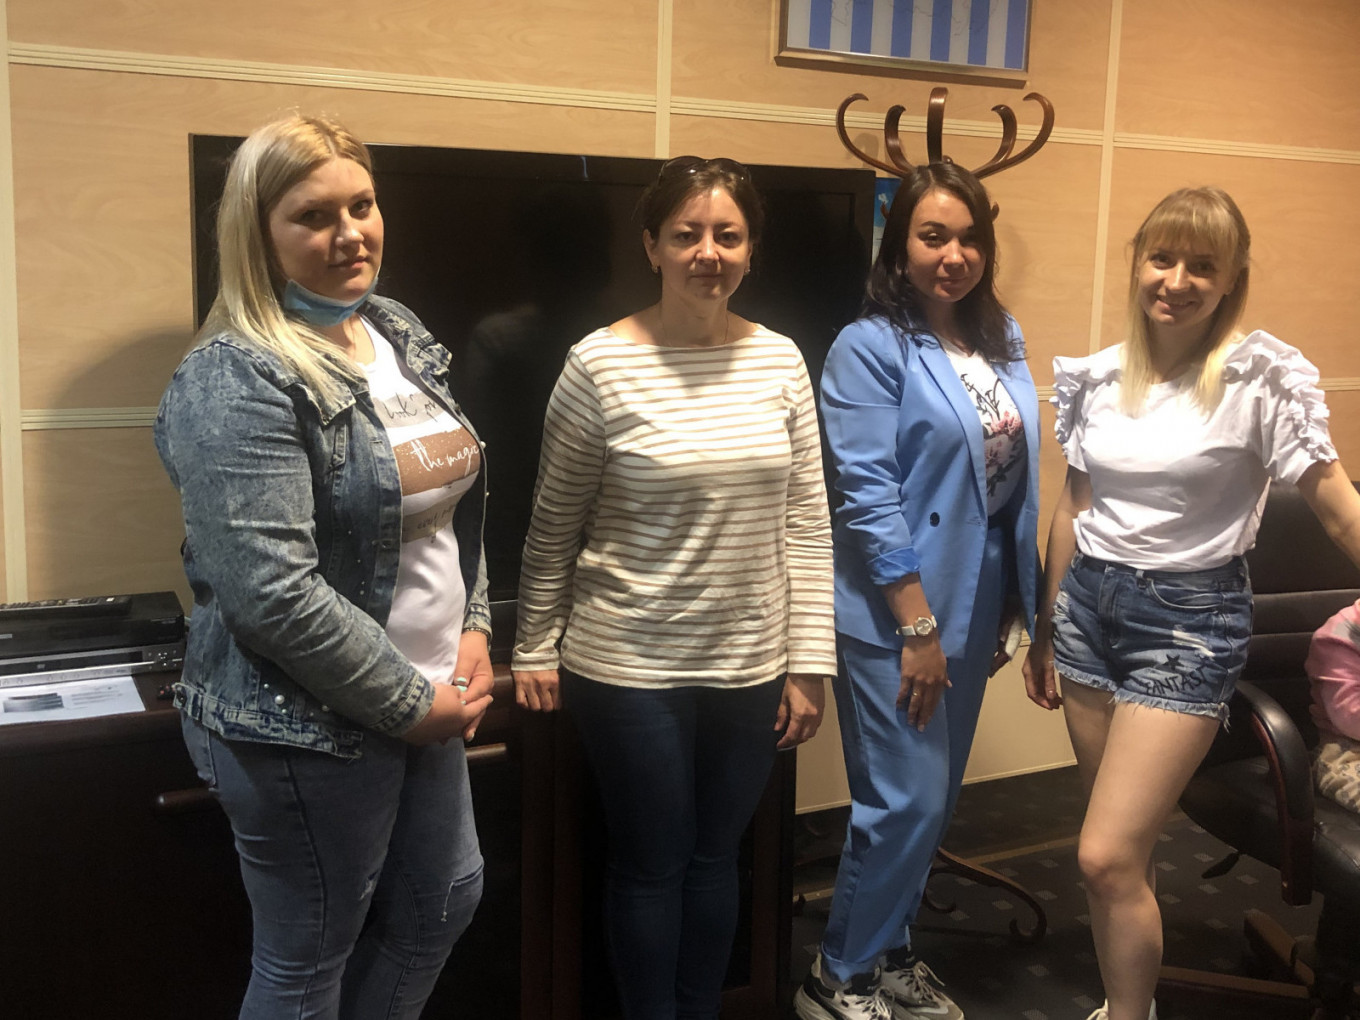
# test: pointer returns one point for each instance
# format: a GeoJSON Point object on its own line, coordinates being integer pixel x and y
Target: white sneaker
{"type": "Point", "coordinates": [1103, 1013]}
{"type": "Point", "coordinates": [915, 993]}
{"type": "Point", "coordinates": [860, 998]}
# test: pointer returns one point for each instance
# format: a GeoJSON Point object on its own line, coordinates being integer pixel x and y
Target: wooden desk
{"type": "Point", "coordinates": [113, 905]}
{"type": "Point", "coordinates": [123, 896]}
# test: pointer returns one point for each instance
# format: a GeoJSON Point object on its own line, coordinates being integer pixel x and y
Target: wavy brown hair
{"type": "Point", "coordinates": [890, 293]}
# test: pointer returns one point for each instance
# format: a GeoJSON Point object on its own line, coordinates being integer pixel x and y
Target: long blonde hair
{"type": "Point", "coordinates": [268, 163]}
{"type": "Point", "coordinates": [1198, 219]}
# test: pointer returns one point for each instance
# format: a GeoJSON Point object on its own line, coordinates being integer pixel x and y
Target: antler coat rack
{"type": "Point", "coordinates": [900, 166]}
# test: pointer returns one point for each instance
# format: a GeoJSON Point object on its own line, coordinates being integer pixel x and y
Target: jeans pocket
{"type": "Point", "coordinates": [199, 740]}
{"type": "Point", "coordinates": [1180, 595]}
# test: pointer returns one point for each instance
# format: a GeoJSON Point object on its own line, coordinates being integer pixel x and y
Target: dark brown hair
{"type": "Point", "coordinates": [683, 177]}
{"type": "Point", "coordinates": [890, 293]}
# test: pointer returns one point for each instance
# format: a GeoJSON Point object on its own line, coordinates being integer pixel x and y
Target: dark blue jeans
{"type": "Point", "coordinates": [361, 873]}
{"type": "Point", "coordinates": [680, 772]}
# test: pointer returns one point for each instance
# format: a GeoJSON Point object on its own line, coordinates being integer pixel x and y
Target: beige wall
{"type": "Point", "coordinates": [95, 305]}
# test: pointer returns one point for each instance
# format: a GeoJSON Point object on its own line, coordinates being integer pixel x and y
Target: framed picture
{"type": "Point", "coordinates": [966, 39]}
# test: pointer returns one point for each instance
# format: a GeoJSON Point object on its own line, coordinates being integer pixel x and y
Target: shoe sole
{"type": "Point", "coordinates": [904, 1011]}
{"type": "Point", "coordinates": [808, 1008]}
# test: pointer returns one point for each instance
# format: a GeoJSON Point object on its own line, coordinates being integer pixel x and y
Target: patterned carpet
{"type": "Point", "coordinates": [1024, 828]}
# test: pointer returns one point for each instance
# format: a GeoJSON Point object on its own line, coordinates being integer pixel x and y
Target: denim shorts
{"type": "Point", "coordinates": [1167, 639]}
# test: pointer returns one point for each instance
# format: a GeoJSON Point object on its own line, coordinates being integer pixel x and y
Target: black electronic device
{"type": "Point", "coordinates": [511, 257]}
{"type": "Point", "coordinates": [112, 632]}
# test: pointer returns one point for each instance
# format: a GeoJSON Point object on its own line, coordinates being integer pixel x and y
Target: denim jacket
{"type": "Point", "coordinates": [292, 516]}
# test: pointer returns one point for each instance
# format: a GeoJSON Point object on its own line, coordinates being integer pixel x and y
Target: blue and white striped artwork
{"type": "Point", "coordinates": [977, 33]}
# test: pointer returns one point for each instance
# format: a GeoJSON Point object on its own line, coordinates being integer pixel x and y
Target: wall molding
{"type": "Point", "coordinates": [37, 55]}
{"type": "Point", "coordinates": [38, 419]}
{"type": "Point", "coordinates": [128, 62]}
{"type": "Point", "coordinates": [1210, 147]}
{"type": "Point", "coordinates": [815, 116]}
{"type": "Point", "coordinates": [11, 441]}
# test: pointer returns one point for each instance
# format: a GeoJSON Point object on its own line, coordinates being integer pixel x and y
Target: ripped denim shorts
{"type": "Point", "coordinates": [1167, 639]}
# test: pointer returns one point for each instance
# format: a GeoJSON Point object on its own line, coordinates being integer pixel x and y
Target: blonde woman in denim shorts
{"type": "Point", "coordinates": [1171, 439]}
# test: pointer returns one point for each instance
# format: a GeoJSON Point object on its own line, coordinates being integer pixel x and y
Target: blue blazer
{"type": "Point", "coordinates": [907, 449]}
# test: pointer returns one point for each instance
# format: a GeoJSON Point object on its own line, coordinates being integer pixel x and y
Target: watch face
{"type": "Point", "coordinates": [924, 625]}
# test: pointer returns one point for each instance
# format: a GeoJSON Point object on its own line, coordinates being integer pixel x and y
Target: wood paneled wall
{"type": "Point", "coordinates": [1259, 97]}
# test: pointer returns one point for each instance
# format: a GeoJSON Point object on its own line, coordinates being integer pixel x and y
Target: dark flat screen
{"type": "Point", "coordinates": [509, 258]}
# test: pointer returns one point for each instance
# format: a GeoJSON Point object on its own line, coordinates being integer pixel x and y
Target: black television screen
{"type": "Point", "coordinates": [509, 258]}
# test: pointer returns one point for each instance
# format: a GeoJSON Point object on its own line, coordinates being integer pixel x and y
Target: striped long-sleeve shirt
{"type": "Point", "coordinates": [680, 532]}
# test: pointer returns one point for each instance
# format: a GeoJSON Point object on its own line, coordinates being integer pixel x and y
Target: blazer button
{"type": "Point", "coordinates": [279, 699]}
{"type": "Point", "coordinates": [934, 520]}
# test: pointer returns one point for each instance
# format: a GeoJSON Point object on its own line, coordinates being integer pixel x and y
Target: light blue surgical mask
{"type": "Point", "coordinates": [319, 310]}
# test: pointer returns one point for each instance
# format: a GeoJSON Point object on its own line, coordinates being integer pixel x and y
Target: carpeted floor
{"type": "Point", "coordinates": [1024, 828]}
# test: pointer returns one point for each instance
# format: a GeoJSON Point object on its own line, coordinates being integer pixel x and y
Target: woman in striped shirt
{"type": "Point", "coordinates": [676, 588]}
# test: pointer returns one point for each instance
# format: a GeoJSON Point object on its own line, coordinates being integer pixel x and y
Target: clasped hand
{"type": "Point", "coordinates": [460, 704]}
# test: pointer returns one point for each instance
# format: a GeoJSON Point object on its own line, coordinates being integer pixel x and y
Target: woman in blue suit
{"type": "Point", "coordinates": [931, 418]}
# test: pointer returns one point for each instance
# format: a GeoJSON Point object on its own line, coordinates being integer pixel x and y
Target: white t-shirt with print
{"type": "Point", "coordinates": [1003, 431]}
{"type": "Point", "coordinates": [438, 461]}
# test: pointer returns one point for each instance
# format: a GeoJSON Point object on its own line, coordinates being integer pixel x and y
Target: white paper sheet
{"type": "Point", "coordinates": [69, 699]}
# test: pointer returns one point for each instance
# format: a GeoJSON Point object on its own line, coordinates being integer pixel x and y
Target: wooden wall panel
{"type": "Point", "coordinates": [4, 576]}
{"type": "Point", "coordinates": [1303, 273]}
{"type": "Point", "coordinates": [102, 185]}
{"type": "Point", "coordinates": [1049, 210]}
{"type": "Point", "coordinates": [567, 43]}
{"type": "Point", "coordinates": [102, 515]}
{"type": "Point", "coordinates": [724, 51]}
{"type": "Point", "coordinates": [821, 764]}
{"type": "Point", "coordinates": [1014, 735]}
{"type": "Point", "coordinates": [1242, 70]}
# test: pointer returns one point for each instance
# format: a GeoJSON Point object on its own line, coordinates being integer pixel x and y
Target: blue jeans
{"type": "Point", "coordinates": [903, 783]}
{"type": "Point", "coordinates": [680, 771]}
{"type": "Point", "coordinates": [361, 873]}
{"type": "Point", "coordinates": [1174, 640]}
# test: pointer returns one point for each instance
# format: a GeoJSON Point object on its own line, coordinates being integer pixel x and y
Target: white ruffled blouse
{"type": "Point", "coordinates": [1174, 488]}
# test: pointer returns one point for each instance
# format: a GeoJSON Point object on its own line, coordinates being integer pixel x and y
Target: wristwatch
{"type": "Point", "coordinates": [923, 626]}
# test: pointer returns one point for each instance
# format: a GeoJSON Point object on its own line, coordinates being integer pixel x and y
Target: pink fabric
{"type": "Point", "coordinates": [1334, 666]}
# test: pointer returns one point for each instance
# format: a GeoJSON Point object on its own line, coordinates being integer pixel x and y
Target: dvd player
{"type": "Point", "coordinates": [58, 628]}
{"type": "Point", "coordinates": [90, 665]}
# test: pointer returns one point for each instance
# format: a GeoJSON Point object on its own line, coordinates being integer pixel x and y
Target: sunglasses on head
{"type": "Point", "coordinates": [687, 165]}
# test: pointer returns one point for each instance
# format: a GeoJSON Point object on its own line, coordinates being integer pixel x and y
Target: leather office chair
{"type": "Point", "coordinates": [1255, 789]}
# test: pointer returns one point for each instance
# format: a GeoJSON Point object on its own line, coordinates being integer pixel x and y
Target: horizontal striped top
{"type": "Point", "coordinates": [680, 532]}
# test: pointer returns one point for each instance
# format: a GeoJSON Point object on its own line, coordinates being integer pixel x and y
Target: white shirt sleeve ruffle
{"type": "Point", "coordinates": [1294, 427]}
{"type": "Point", "coordinates": [1072, 377]}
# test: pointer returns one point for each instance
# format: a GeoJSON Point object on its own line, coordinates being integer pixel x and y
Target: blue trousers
{"type": "Point", "coordinates": [903, 783]}
{"type": "Point", "coordinates": [680, 772]}
{"type": "Point", "coordinates": [361, 874]}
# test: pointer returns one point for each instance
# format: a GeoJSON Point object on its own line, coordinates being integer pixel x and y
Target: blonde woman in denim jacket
{"type": "Point", "coordinates": [333, 498]}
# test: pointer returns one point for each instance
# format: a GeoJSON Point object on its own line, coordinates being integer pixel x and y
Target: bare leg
{"type": "Point", "coordinates": [1145, 759]}
{"type": "Point", "coordinates": [1088, 714]}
